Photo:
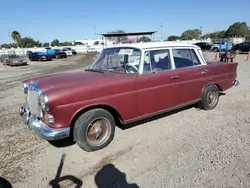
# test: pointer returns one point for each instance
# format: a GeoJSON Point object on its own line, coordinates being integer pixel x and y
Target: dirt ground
{"type": "Point", "coordinates": [189, 148]}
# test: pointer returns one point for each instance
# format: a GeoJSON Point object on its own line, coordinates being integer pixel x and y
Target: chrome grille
{"type": "Point", "coordinates": [33, 100]}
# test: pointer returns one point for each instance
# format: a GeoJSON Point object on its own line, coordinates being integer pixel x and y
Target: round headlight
{"type": "Point", "coordinates": [25, 87]}
{"type": "Point", "coordinates": [44, 101]}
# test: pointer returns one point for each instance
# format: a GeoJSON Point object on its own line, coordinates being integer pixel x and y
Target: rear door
{"type": "Point", "coordinates": [190, 75]}
{"type": "Point", "coordinates": [155, 87]}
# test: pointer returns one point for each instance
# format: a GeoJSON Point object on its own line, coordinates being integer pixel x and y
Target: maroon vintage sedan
{"type": "Point", "coordinates": [126, 83]}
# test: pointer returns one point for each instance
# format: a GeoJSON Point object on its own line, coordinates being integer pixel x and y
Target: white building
{"type": "Point", "coordinates": [90, 42]}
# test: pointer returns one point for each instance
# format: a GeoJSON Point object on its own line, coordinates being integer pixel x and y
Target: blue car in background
{"type": "Point", "coordinates": [56, 53]}
{"type": "Point", "coordinates": [39, 56]}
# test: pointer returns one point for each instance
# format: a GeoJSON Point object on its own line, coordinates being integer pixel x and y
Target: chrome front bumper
{"type": "Point", "coordinates": [236, 82]}
{"type": "Point", "coordinates": [40, 128]}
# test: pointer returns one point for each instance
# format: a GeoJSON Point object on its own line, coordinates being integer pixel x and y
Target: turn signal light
{"type": "Point", "coordinates": [48, 118]}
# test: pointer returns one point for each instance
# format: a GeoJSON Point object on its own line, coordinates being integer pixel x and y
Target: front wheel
{"type": "Point", "coordinates": [94, 130]}
{"type": "Point", "coordinates": [237, 51]}
{"type": "Point", "coordinates": [210, 98]}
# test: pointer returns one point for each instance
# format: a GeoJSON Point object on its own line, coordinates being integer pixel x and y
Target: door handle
{"type": "Point", "coordinates": [175, 77]}
{"type": "Point", "coordinates": [204, 71]}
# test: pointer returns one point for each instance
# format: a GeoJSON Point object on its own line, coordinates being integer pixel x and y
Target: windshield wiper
{"type": "Point", "coordinates": [95, 70]}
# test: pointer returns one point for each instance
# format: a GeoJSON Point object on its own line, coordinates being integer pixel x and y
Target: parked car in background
{"type": "Point", "coordinates": [87, 105]}
{"type": "Point", "coordinates": [29, 52]}
{"type": "Point", "coordinates": [40, 56]}
{"type": "Point", "coordinates": [56, 53]}
{"type": "Point", "coordinates": [13, 60]}
{"type": "Point", "coordinates": [60, 54]}
{"type": "Point", "coordinates": [91, 50]}
{"type": "Point", "coordinates": [216, 46]}
{"type": "Point", "coordinates": [67, 51]}
{"type": "Point", "coordinates": [204, 45]}
{"type": "Point", "coordinates": [72, 50]}
{"type": "Point", "coordinates": [241, 47]}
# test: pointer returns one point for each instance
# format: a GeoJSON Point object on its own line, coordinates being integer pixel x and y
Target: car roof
{"type": "Point", "coordinates": [147, 45]}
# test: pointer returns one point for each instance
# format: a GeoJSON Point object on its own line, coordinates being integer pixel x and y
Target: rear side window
{"type": "Point", "coordinates": [185, 58]}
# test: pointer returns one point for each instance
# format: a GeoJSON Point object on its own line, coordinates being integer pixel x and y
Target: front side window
{"type": "Point", "coordinates": [119, 59]}
{"type": "Point", "coordinates": [156, 60]}
{"type": "Point", "coordinates": [185, 58]}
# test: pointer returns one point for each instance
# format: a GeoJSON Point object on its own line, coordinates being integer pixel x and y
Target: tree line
{"type": "Point", "coordinates": [28, 42]}
{"type": "Point", "coordinates": [237, 29]}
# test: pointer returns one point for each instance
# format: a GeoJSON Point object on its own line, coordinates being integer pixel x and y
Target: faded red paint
{"type": "Point", "coordinates": [133, 96]}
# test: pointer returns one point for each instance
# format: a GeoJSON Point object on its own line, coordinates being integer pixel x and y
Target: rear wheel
{"type": "Point", "coordinates": [210, 98]}
{"type": "Point", "coordinates": [215, 49]}
{"type": "Point", "coordinates": [94, 130]}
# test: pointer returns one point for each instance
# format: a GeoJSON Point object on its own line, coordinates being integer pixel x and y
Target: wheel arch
{"type": "Point", "coordinates": [219, 87]}
{"type": "Point", "coordinates": [114, 112]}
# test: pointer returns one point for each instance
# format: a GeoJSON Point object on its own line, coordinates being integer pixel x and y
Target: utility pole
{"type": "Point", "coordinates": [95, 31]}
{"type": "Point", "coordinates": [161, 31]}
{"type": "Point", "coordinates": [9, 35]}
{"type": "Point", "coordinates": [201, 33]}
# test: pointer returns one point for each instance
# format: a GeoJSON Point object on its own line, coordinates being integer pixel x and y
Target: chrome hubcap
{"type": "Point", "coordinates": [212, 97]}
{"type": "Point", "coordinates": [98, 131]}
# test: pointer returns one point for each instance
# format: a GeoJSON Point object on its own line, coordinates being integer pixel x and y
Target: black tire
{"type": "Point", "coordinates": [237, 51]}
{"type": "Point", "coordinates": [215, 49]}
{"type": "Point", "coordinates": [83, 123]}
{"type": "Point", "coordinates": [210, 90]}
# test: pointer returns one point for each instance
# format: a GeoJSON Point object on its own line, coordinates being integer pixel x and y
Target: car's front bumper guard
{"type": "Point", "coordinates": [40, 128]}
{"type": "Point", "coordinates": [236, 82]}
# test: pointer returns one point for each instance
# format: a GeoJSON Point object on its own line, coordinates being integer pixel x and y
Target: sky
{"type": "Point", "coordinates": [69, 20]}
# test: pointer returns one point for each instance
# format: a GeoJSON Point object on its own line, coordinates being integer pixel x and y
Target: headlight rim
{"type": "Point", "coordinates": [44, 101]}
{"type": "Point", "coordinates": [25, 86]}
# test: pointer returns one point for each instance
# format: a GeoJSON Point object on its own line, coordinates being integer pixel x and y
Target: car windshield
{"type": "Point", "coordinates": [118, 59]}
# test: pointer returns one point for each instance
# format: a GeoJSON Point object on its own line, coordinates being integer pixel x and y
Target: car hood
{"type": "Point", "coordinates": [82, 78]}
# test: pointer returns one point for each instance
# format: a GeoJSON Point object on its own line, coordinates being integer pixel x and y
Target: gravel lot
{"type": "Point", "coordinates": [189, 148]}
